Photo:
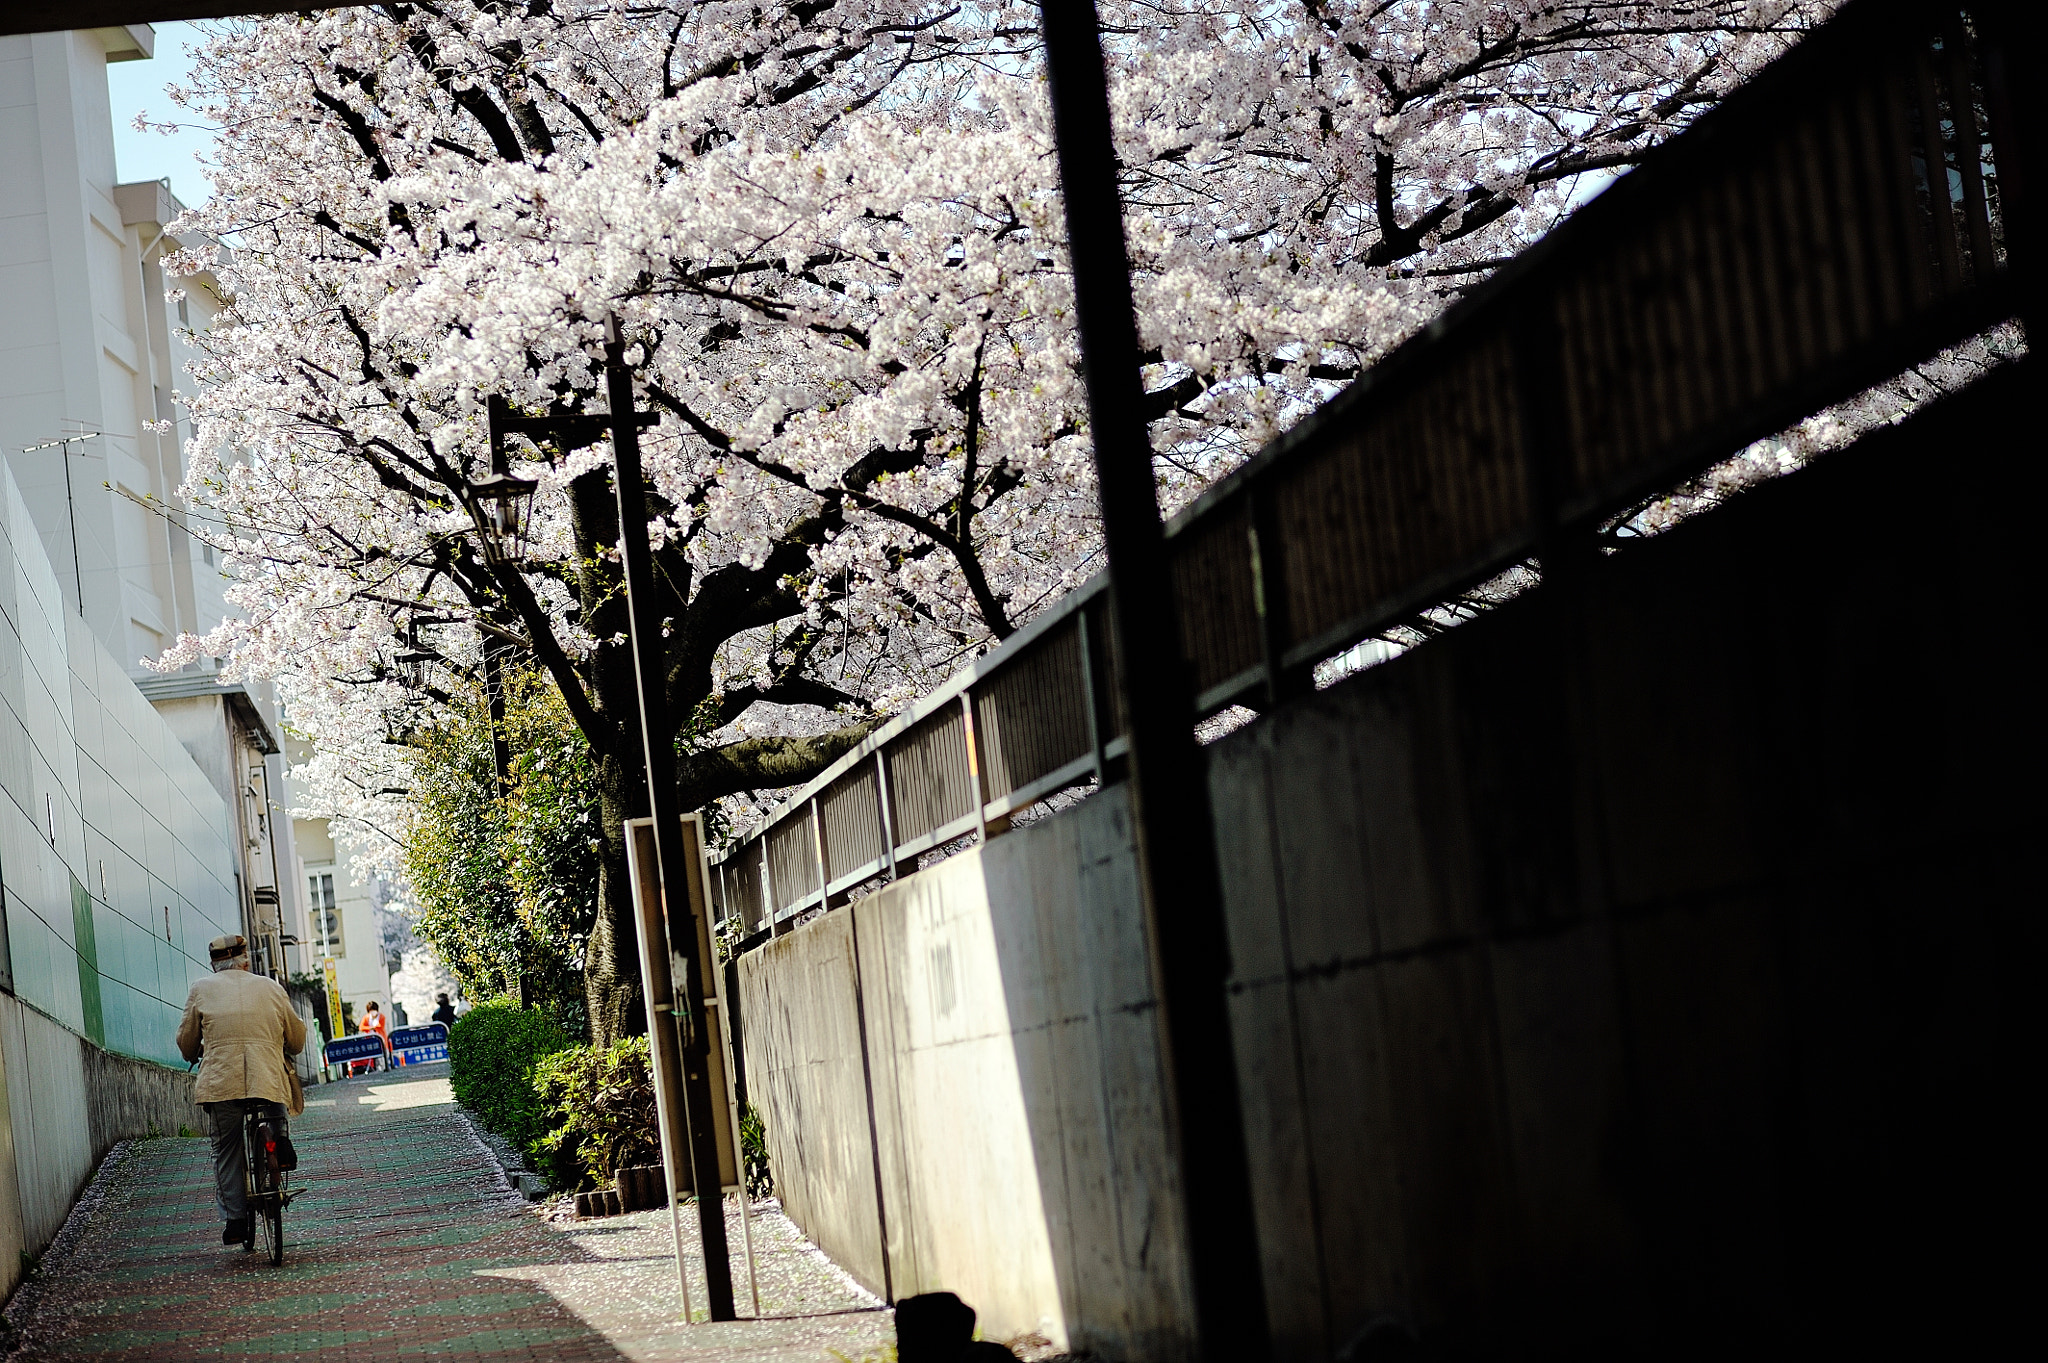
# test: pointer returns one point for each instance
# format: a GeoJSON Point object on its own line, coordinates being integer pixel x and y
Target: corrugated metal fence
{"type": "Point", "coordinates": [1837, 220]}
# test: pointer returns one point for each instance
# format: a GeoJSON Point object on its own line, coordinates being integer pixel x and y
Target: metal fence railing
{"type": "Point", "coordinates": [1835, 221]}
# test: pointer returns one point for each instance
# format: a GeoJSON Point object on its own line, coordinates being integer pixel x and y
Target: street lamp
{"type": "Point", "coordinates": [507, 506]}
{"type": "Point", "coordinates": [414, 669]}
{"type": "Point", "coordinates": [506, 502]}
{"type": "Point", "coordinates": [416, 665]}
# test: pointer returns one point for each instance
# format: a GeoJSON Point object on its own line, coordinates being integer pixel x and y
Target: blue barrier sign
{"type": "Point", "coordinates": [363, 1046]}
{"type": "Point", "coordinates": [419, 1045]}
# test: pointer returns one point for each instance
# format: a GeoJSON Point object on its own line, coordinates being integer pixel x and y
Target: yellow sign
{"type": "Point", "coordinates": [334, 1028]}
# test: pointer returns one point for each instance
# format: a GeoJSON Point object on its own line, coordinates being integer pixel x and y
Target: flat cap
{"type": "Point", "coordinates": [234, 944]}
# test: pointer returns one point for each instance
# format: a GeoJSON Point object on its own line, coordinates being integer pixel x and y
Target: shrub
{"type": "Point", "coordinates": [601, 1112]}
{"type": "Point", "coordinates": [492, 1052]}
{"type": "Point", "coordinates": [754, 1149]}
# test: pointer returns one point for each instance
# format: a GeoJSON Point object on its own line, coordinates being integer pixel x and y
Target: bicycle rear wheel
{"type": "Point", "coordinates": [272, 1219]}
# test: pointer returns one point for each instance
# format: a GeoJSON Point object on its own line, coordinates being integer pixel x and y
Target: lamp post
{"type": "Point", "coordinates": [504, 503]}
{"type": "Point", "coordinates": [645, 631]}
{"type": "Point", "coordinates": [415, 669]}
{"type": "Point", "coordinates": [505, 507]}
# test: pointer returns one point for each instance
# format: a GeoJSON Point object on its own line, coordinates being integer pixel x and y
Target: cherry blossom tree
{"type": "Point", "coordinates": [831, 231]}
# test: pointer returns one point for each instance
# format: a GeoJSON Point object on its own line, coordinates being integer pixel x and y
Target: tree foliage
{"type": "Point", "coordinates": [506, 875]}
{"type": "Point", "coordinates": [832, 233]}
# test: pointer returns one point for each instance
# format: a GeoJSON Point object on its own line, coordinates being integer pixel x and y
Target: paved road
{"type": "Point", "coordinates": [407, 1245]}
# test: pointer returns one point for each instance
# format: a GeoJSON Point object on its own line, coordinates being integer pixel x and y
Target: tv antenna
{"type": "Point", "coordinates": [70, 508]}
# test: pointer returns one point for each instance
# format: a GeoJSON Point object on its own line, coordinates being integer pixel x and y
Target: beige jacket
{"type": "Point", "coordinates": [243, 1025]}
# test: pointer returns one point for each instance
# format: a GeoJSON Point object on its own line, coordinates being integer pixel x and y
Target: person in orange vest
{"type": "Point", "coordinates": [373, 1021]}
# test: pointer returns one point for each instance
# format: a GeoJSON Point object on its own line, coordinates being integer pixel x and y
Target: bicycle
{"type": "Point", "coordinates": [268, 1184]}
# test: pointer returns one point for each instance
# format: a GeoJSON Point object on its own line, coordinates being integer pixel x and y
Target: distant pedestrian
{"type": "Point", "coordinates": [373, 1022]}
{"type": "Point", "coordinates": [444, 1011]}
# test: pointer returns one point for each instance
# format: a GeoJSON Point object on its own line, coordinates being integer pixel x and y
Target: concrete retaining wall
{"type": "Point", "coordinates": [129, 1098]}
{"type": "Point", "coordinates": [66, 1102]}
{"type": "Point", "coordinates": [1645, 968]}
{"type": "Point", "coordinates": [1017, 1143]}
{"type": "Point", "coordinates": [116, 868]}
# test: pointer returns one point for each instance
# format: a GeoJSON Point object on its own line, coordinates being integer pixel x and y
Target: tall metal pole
{"type": "Point", "coordinates": [1183, 899]}
{"type": "Point", "coordinates": [671, 867]}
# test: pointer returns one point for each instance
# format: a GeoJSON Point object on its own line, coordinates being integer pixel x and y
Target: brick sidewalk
{"type": "Point", "coordinates": [407, 1245]}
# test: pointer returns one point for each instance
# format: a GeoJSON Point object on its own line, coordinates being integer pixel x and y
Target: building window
{"type": "Point", "coordinates": [184, 314]}
{"type": "Point", "coordinates": [326, 918]}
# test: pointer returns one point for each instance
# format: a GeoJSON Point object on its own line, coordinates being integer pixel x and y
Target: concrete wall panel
{"type": "Point", "coordinates": [804, 1074]}
{"type": "Point", "coordinates": [971, 1141]}
{"type": "Point", "coordinates": [47, 1106]}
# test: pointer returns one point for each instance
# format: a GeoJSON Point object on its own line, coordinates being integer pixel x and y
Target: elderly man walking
{"type": "Point", "coordinates": [241, 1028]}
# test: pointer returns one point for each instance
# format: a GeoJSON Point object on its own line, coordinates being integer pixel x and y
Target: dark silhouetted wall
{"type": "Point", "coordinates": [1647, 966]}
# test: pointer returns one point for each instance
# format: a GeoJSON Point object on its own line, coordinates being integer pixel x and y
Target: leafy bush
{"type": "Point", "coordinates": [754, 1149]}
{"type": "Point", "coordinates": [492, 1052]}
{"type": "Point", "coordinates": [601, 1113]}
{"type": "Point", "coordinates": [600, 1104]}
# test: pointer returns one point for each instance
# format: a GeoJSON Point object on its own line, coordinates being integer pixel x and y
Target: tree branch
{"type": "Point", "coordinates": [764, 763]}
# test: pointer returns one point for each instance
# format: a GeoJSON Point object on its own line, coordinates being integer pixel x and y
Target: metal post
{"type": "Point", "coordinates": [1183, 901]}
{"type": "Point", "coordinates": [70, 504]}
{"type": "Point", "coordinates": [974, 764]}
{"type": "Point", "coordinates": [1269, 595]}
{"type": "Point", "coordinates": [71, 510]}
{"type": "Point", "coordinates": [645, 630]}
{"type": "Point", "coordinates": [1096, 738]}
{"type": "Point", "coordinates": [270, 813]}
{"type": "Point", "coordinates": [664, 1063]}
{"type": "Point", "coordinates": [818, 852]}
{"type": "Point", "coordinates": [768, 905]}
{"type": "Point", "coordinates": [888, 817]}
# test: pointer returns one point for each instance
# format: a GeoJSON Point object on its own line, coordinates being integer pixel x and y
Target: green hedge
{"type": "Point", "coordinates": [493, 1050]}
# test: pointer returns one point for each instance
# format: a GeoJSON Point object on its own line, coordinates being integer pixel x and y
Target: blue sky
{"type": "Point", "coordinates": [133, 86]}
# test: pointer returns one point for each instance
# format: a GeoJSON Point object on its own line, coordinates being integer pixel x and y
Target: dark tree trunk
{"type": "Point", "coordinates": [611, 972]}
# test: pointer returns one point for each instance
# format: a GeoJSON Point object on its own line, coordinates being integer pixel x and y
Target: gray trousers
{"type": "Point", "coordinates": [230, 1176]}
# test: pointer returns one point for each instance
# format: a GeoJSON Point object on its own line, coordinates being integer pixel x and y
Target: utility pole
{"type": "Point", "coordinates": [700, 1110]}
{"type": "Point", "coordinates": [1182, 891]}
{"type": "Point", "coordinates": [670, 865]}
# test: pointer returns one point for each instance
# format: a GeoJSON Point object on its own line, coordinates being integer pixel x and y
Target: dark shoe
{"type": "Point", "coordinates": [287, 1154]}
{"type": "Point", "coordinates": [236, 1231]}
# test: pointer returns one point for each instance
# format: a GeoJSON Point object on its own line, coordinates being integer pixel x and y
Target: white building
{"type": "Point", "coordinates": [140, 815]}
{"type": "Point", "coordinates": [343, 919]}
{"type": "Point", "coordinates": [90, 353]}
